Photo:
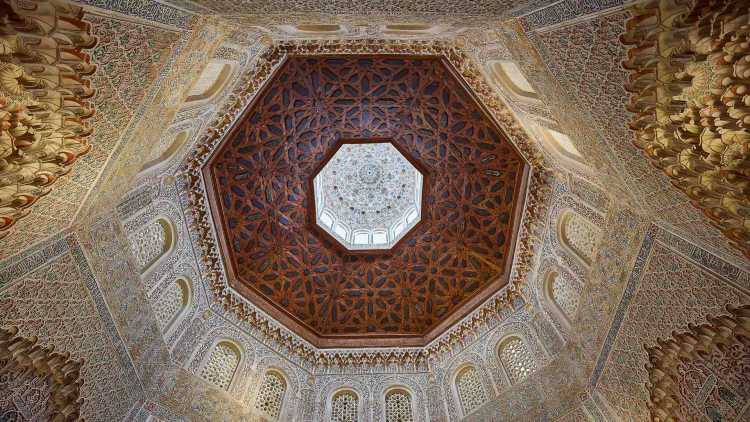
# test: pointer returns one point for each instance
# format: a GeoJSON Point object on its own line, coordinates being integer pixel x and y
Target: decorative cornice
{"type": "Point", "coordinates": [285, 340]}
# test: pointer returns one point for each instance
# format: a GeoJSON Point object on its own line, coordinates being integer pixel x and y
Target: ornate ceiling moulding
{"type": "Point", "coordinates": [22, 358]}
{"type": "Point", "coordinates": [43, 88]}
{"type": "Point", "coordinates": [269, 329]}
{"type": "Point", "coordinates": [689, 78]}
{"type": "Point", "coordinates": [682, 370]}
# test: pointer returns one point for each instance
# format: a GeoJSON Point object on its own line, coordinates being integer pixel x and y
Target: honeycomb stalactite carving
{"type": "Point", "coordinates": [702, 373]}
{"type": "Point", "coordinates": [689, 66]}
{"type": "Point", "coordinates": [20, 356]}
{"type": "Point", "coordinates": [43, 112]}
{"type": "Point", "coordinates": [465, 236]}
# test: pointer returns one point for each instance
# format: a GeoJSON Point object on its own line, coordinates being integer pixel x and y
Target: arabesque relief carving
{"type": "Point", "coordinates": [43, 88]}
{"type": "Point", "coordinates": [690, 72]}
{"type": "Point", "coordinates": [703, 371]}
{"type": "Point", "coordinates": [21, 358]}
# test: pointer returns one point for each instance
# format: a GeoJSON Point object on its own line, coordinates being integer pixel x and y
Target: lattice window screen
{"type": "Point", "coordinates": [398, 407]}
{"type": "Point", "coordinates": [149, 243]}
{"type": "Point", "coordinates": [344, 407]}
{"type": "Point", "coordinates": [170, 303]}
{"type": "Point", "coordinates": [517, 359]}
{"type": "Point", "coordinates": [580, 235]}
{"type": "Point", "coordinates": [565, 295]}
{"type": "Point", "coordinates": [470, 389]}
{"type": "Point", "coordinates": [271, 395]}
{"type": "Point", "coordinates": [221, 365]}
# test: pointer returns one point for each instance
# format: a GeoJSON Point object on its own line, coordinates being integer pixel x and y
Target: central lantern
{"type": "Point", "coordinates": [368, 195]}
{"type": "Point", "coordinates": [366, 200]}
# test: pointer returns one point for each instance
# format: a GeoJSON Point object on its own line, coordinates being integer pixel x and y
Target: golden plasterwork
{"type": "Point", "coordinates": [43, 86]}
{"type": "Point", "coordinates": [689, 66]}
{"type": "Point", "coordinates": [22, 356]}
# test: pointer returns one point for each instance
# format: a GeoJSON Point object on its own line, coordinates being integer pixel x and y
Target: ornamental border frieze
{"type": "Point", "coordinates": [481, 320]}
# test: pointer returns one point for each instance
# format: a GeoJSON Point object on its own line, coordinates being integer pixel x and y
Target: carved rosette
{"type": "Point", "coordinates": [20, 355]}
{"type": "Point", "coordinates": [43, 86]}
{"type": "Point", "coordinates": [703, 368]}
{"type": "Point", "coordinates": [689, 69]}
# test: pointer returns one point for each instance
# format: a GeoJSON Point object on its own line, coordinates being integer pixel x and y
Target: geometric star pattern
{"type": "Point", "coordinates": [259, 191]}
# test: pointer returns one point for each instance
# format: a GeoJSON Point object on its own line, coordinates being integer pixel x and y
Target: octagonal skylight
{"type": "Point", "coordinates": [368, 196]}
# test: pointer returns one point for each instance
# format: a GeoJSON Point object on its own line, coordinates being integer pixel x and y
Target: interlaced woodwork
{"type": "Point", "coordinates": [530, 233]}
{"type": "Point", "coordinates": [21, 355]}
{"type": "Point", "coordinates": [43, 86]}
{"type": "Point", "coordinates": [707, 367]}
{"type": "Point", "coordinates": [259, 179]}
{"type": "Point", "coordinates": [689, 76]}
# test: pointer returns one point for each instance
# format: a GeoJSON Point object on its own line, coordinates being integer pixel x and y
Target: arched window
{"type": "Point", "coordinates": [344, 406]}
{"type": "Point", "coordinates": [151, 243]}
{"type": "Point", "coordinates": [509, 75]}
{"type": "Point", "coordinates": [210, 81]}
{"type": "Point", "coordinates": [271, 394]}
{"type": "Point", "coordinates": [167, 151]}
{"type": "Point", "coordinates": [221, 365]}
{"type": "Point", "coordinates": [561, 143]}
{"type": "Point", "coordinates": [516, 359]}
{"type": "Point", "coordinates": [579, 235]}
{"type": "Point", "coordinates": [562, 295]}
{"type": "Point", "coordinates": [470, 390]}
{"type": "Point", "coordinates": [398, 406]}
{"type": "Point", "coordinates": [173, 300]}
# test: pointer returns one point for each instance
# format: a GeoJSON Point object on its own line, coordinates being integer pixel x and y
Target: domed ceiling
{"type": "Point", "coordinates": [404, 132]}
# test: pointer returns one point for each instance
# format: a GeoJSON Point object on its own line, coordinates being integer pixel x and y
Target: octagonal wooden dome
{"type": "Point", "coordinates": [260, 195]}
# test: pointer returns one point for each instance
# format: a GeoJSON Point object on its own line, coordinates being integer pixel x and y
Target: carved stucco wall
{"type": "Point", "coordinates": [642, 279]}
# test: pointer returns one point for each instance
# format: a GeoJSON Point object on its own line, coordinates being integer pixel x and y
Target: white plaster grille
{"type": "Point", "coordinates": [580, 235]}
{"type": "Point", "coordinates": [516, 359]}
{"type": "Point", "coordinates": [344, 407]}
{"type": "Point", "coordinates": [565, 295]}
{"type": "Point", "coordinates": [271, 395]}
{"type": "Point", "coordinates": [169, 304]}
{"type": "Point", "coordinates": [398, 407]}
{"type": "Point", "coordinates": [470, 389]}
{"type": "Point", "coordinates": [149, 243]}
{"type": "Point", "coordinates": [221, 365]}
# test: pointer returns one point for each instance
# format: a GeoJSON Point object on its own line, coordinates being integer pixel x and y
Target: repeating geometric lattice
{"type": "Point", "coordinates": [260, 177]}
{"type": "Point", "coordinates": [398, 407]}
{"type": "Point", "coordinates": [564, 294]}
{"type": "Point", "coordinates": [271, 395]}
{"type": "Point", "coordinates": [169, 304]}
{"type": "Point", "coordinates": [149, 243]}
{"type": "Point", "coordinates": [580, 235]}
{"type": "Point", "coordinates": [221, 365]}
{"type": "Point", "coordinates": [516, 359]}
{"type": "Point", "coordinates": [344, 407]}
{"type": "Point", "coordinates": [470, 389]}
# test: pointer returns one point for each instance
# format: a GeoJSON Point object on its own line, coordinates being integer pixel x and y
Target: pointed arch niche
{"type": "Point", "coordinates": [271, 394]}
{"type": "Point", "coordinates": [167, 153]}
{"type": "Point", "coordinates": [221, 365]}
{"type": "Point", "coordinates": [172, 303]}
{"type": "Point", "coordinates": [561, 295]}
{"type": "Point", "coordinates": [516, 358]}
{"type": "Point", "coordinates": [213, 78]}
{"type": "Point", "coordinates": [577, 236]}
{"type": "Point", "coordinates": [152, 243]}
{"type": "Point", "coordinates": [398, 405]}
{"type": "Point", "coordinates": [344, 406]}
{"type": "Point", "coordinates": [469, 389]}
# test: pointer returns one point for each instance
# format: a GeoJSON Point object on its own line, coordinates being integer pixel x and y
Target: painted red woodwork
{"type": "Point", "coordinates": [458, 255]}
